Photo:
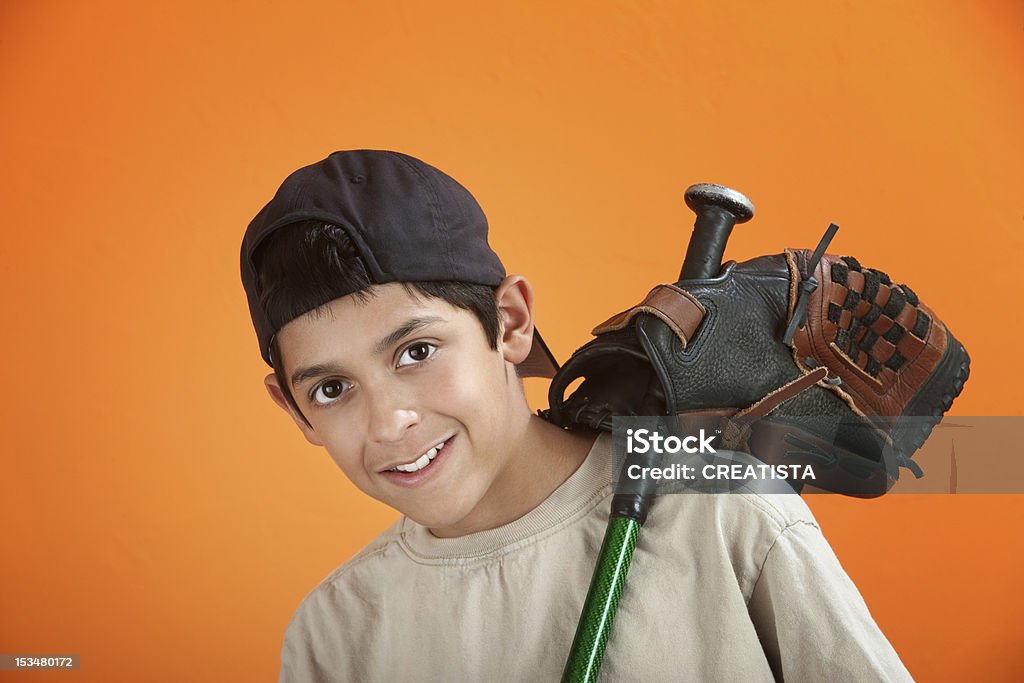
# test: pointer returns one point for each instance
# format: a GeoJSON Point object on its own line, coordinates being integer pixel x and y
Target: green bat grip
{"type": "Point", "coordinates": [584, 662]}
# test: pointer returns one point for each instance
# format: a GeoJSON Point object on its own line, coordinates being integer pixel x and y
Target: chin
{"type": "Point", "coordinates": [434, 520]}
{"type": "Point", "coordinates": [440, 519]}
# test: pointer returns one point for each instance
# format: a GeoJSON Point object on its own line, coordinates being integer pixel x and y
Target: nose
{"type": "Point", "coordinates": [391, 417]}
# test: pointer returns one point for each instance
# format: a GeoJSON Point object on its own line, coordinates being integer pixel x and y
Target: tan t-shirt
{"type": "Point", "coordinates": [726, 587]}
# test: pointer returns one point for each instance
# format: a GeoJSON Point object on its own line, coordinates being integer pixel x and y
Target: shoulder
{"type": "Point", "coordinates": [741, 514]}
{"type": "Point", "coordinates": [374, 551]}
{"type": "Point", "coordinates": [329, 624]}
{"type": "Point", "coordinates": [725, 534]}
{"type": "Point", "coordinates": [327, 596]}
{"type": "Point", "coordinates": [775, 510]}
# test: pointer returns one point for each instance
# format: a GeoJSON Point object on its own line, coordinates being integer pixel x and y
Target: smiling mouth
{"type": "Point", "coordinates": [420, 462]}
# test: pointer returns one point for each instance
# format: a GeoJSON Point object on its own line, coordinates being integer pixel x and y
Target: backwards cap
{"type": "Point", "coordinates": [409, 222]}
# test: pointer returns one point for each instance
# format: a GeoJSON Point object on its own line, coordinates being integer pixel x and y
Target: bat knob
{"type": "Point", "coordinates": [718, 209]}
{"type": "Point", "coordinates": [702, 195]}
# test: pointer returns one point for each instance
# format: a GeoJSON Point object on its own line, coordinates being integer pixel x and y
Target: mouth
{"type": "Point", "coordinates": [413, 471]}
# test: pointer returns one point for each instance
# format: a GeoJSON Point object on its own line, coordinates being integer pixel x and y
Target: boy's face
{"type": "Point", "coordinates": [384, 382]}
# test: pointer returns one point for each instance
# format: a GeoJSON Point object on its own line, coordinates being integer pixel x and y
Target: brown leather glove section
{"type": "Point", "coordinates": [873, 334]}
{"type": "Point", "coordinates": [676, 308]}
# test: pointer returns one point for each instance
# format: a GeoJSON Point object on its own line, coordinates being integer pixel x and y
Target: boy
{"type": "Point", "coordinates": [397, 343]}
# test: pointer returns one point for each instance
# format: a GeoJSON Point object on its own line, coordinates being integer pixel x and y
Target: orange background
{"type": "Point", "coordinates": [162, 518]}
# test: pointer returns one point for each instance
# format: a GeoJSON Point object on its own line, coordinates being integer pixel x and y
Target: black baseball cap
{"type": "Point", "coordinates": [409, 222]}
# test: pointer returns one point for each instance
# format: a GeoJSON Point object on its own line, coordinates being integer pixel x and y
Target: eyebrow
{"type": "Point", "coordinates": [403, 331]}
{"type": "Point", "coordinates": [379, 349]}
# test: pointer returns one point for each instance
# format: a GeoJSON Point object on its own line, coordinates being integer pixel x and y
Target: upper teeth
{"type": "Point", "coordinates": [421, 462]}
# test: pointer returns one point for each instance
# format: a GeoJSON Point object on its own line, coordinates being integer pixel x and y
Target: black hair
{"type": "Point", "coordinates": [302, 266]}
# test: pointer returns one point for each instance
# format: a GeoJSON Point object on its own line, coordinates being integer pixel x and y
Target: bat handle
{"type": "Point", "coordinates": [718, 209]}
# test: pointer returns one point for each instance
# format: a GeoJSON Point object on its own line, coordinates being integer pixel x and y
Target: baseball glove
{"type": "Point", "coordinates": [811, 358]}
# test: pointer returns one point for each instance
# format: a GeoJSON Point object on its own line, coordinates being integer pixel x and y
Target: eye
{"type": "Point", "coordinates": [416, 353]}
{"type": "Point", "coordinates": [328, 391]}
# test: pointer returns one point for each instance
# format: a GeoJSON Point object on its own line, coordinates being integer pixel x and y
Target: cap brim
{"type": "Point", "coordinates": [540, 362]}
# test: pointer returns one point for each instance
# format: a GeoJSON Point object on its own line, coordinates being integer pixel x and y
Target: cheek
{"type": "Point", "coordinates": [471, 388]}
{"type": "Point", "coordinates": [346, 458]}
{"type": "Point", "coordinates": [346, 450]}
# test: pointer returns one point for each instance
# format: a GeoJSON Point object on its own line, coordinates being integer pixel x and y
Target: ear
{"type": "Point", "coordinates": [274, 389]}
{"type": "Point", "coordinates": [514, 297]}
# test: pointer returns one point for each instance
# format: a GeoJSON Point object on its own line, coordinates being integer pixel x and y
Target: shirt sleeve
{"type": "Point", "coordinates": [298, 660]}
{"type": "Point", "coordinates": [315, 646]}
{"type": "Point", "coordinates": [810, 618]}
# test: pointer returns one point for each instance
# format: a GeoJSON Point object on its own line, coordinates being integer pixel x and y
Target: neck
{"type": "Point", "coordinates": [545, 456]}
